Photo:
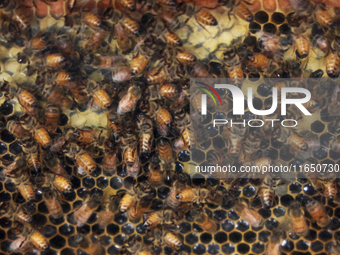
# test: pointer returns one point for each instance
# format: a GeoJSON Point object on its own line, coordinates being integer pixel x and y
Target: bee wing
{"type": "Point", "coordinates": [81, 171]}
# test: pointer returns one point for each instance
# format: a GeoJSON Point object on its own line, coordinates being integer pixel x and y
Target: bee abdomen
{"type": "Point", "coordinates": [54, 208]}
{"type": "Point", "coordinates": [26, 191]}
{"type": "Point", "coordinates": [102, 98]}
{"type": "Point", "coordinates": [39, 240]}
{"type": "Point", "coordinates": [173, 240]}
{"type": "Point", "coordinates": [172, 201]}
{"type": "Point", "coordinates": [186, 195]}
{"type": "Point", "coordinates": [206, 18]}
{"type": "Point", "coordinates": [62, 184]}
{"type": "Point", "coordinates": [332, 64]}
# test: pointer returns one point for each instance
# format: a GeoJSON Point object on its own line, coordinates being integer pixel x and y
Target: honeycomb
{"type": "Point", "coordinates": [233, 234]}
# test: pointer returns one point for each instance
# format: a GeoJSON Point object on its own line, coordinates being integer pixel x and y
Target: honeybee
{"type": "Point", "coordinates": [131, 160]}
{"type": "Point", "coordinates": [19, 244]}
{"type": "Point", "coordinates": [335, 247]}
{"type": "Point", "coordinates": [37, 43]}
{"type": "Point", "coordinates": [296, 214]}
{"type": "Point", "coordinates": [83, 159]}
{"type": "Point", "coordinates": [32, 157]}
{"type": "Point", "coordinates": [41, 136]}
{"type": "Point", "coordinates": [332, 65]}
{"type": "Point", "coordinates": [106, 216]}
{"type": "Point", "coordinates": [163, 120]}
{"type": "Point", "coordinates": [140, 208]}
{"type": "Point", "coordinates": [186, 58]}
{"type": "Point", "coordinates": [171, 201]}
{"type": "Point", "coordinates": [243, 12]}
{"type": "Point", "coordinates": [302, 7]}
{"type": "Point", "coordinates": [24, 186]}
{"type": "Point", "coordinates": [13, 169]}
{"type": "Point", "coordinates": [194, 195]}
{"type": "Point", "coordinates": [323, 17]}
{"type": "Point", "coordinates": [172, 39]}
{"type": "Point", "coordinates": [93, 21]}
{"type": "Point", "coordinates": [55, 60]}
{"type": "Point", "coordinates": [124, 42]}
{"type": "Point", "coordinates": [183, 142]}
{"type": "Point", "coordinates": [200, 71]}
{"type": "Point", "coordinates": [128, 4]}
{"type": "Point", "coordinates": [64, 78]}
{"type": "Point", "coordinates": [23, 16]}
{"type": "Point", "coordinates": [129, 101]}
{"type": "Point", "coordinates": [104, 62]}
{"type": "Point", "coordinates": [86, 135]}
{"type": "Point", "coordinates": [127, 202]}
{"type": "Point", "coordinates": [201, 16]}
{"type": "Point", "coordinates": [25, 98]}
{"type": "Point", "coordinates": [233, 66]}
{"type": "Point", "coordinates": [164, 150]}
{"type": "Point", "coordinates": [274, 245]}
{"type": "Point", "coordinates": [52, 204]}
{"type": "Point", "coordinates": [84, 212]}
{"type": "Point", "coordinates": [96, 40]}
{"type": "Point", "coordinates": [109, 162]}
{"type": "Point", "coordinates": [312, 105]}
{"type": "Point", "coordinates": [168, 90]}
{"type": "Point", "coordinates": [173, 240]}
{"type": "Point", "coordinates": [302, 45]}
{"type": "Point", "coordinates": [273, 43]}
{"type": "Point", "coordinates": [335, 145]}
{"type": "Point", "coordinates": [206, 18]}
{"type": "Point", "coordinates": [330, 189]}
{"type": "Point", "coordinates": [122, 74]}
{"type": "Point", "coordinates": [40, 133]}
{"type": "Point", "coordinates": [289, 137]}
{"type": "Point", "coordinates": [32, 236]}
{"type": "Point", "coordinates": [52, 114]}
{"type": "Point", "coordinates": [15, 212]}
{"type": "Point", "coordinates": [129, 137]}
{"type": "Point", "coordinates": [166, 235]}
{"type": "Point", "coordinates": [146, 133]}
{"type": "Point", "coordinates": [259, 61]}
{"type": "Point", "coordinates": [130, 25]}
{"type": "Point", "coordinates": [249, 215]}
{"type": "Point", "coordinates": [131, 197]}
{"type": "Point", "coordinates": [58, 143]}
{"type": "Point", "coordinates": [115, 125]}
{"type": "Point", "coordinates": [203, 220]}
{"type": "Point", "coordinates": [155, 175]}
{"type": "Point", "coordinates": [17, 129]}
{"type": "Point", "coordinates": [251, 146]}
{"type": "Point", "coordinates": [157, 75]}
{"type": "Point", "coordinates": [234, 137]}
{"type": "Point", "coordinates": [318, 212]}
{"type": "Point", "coordinates": [55, 96]}
{"type": "Point", "coordinates": [61, 183]}
{"type": "Point", "coordinates": [64, 44]}
{"type": "Point", "coordinates": [54, 165]}
{"type": "Point", "coordinates": [167, 2]}
{"type": "Point", "coordinates": [322, 44]}
{"type": "Point", "coordinates": [158, 218]}
{"type": "Point", "coordinates": [89, 244]}
{"type": "Point", "coordinates": [266, 192]}
{"type": "Point", "coordinates": [138, 64]}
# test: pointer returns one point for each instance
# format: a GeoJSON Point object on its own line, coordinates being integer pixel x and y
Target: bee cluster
{"type": "Point", "coordinates": [95, 127]}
